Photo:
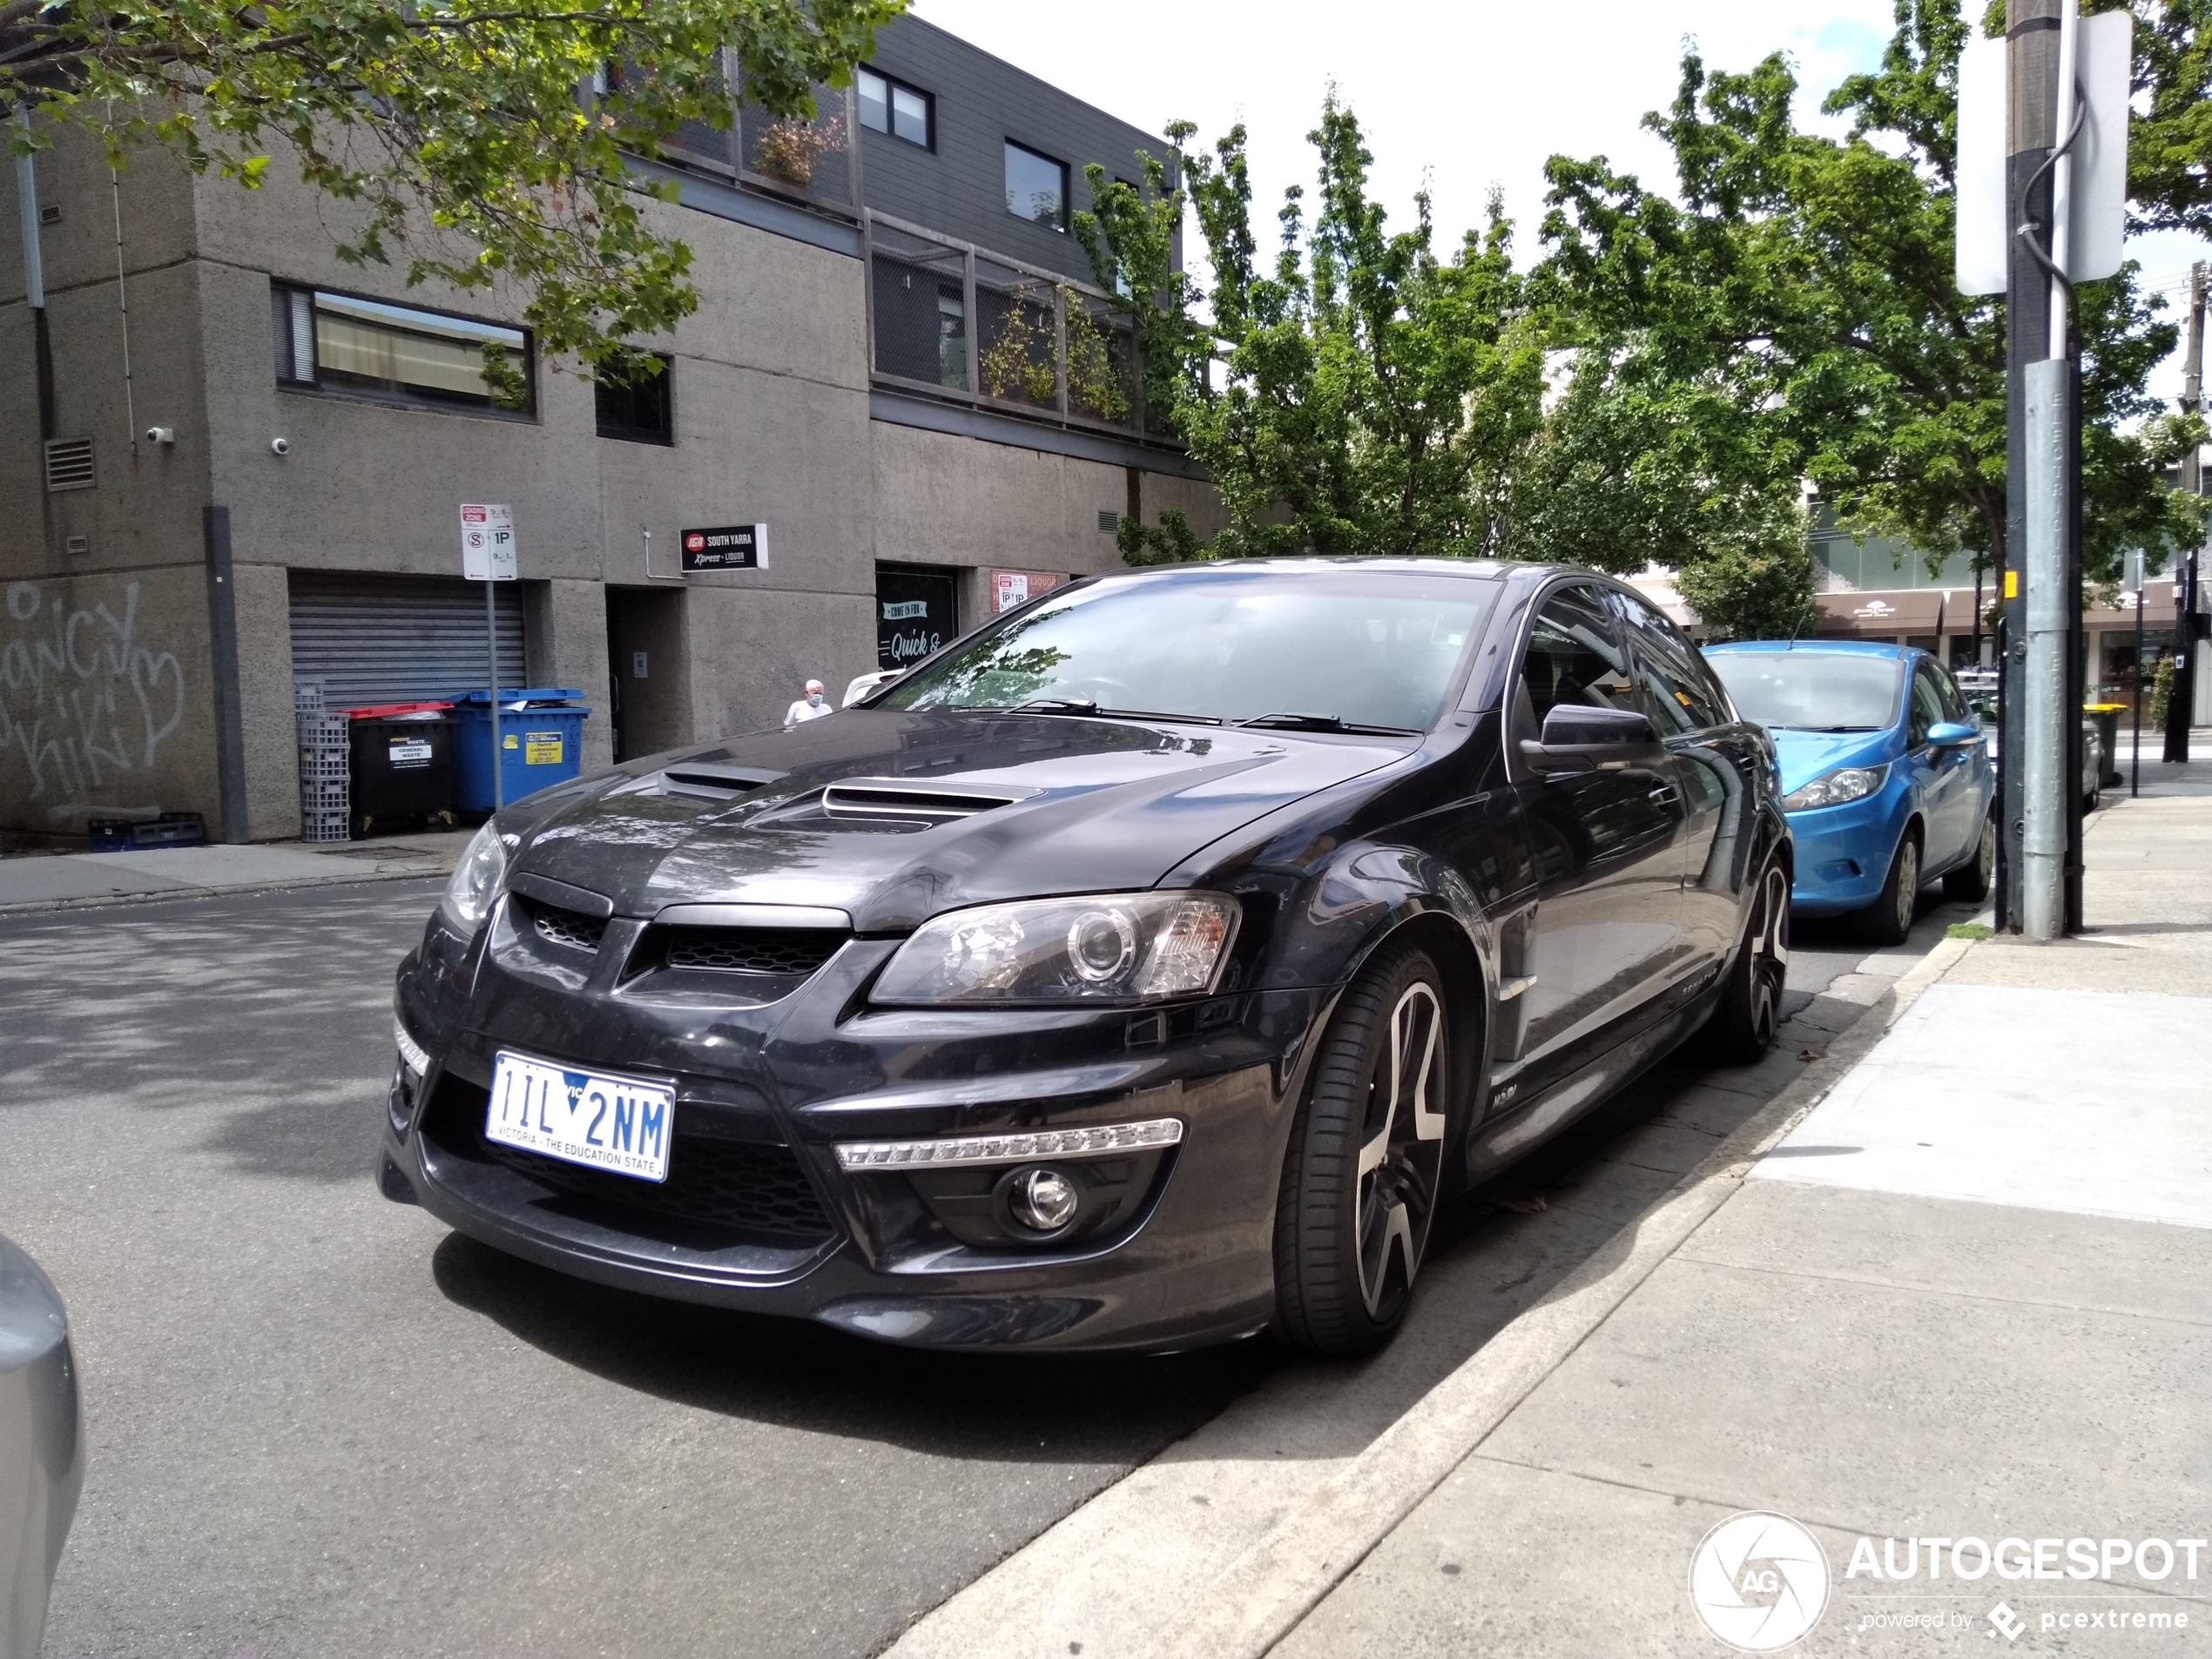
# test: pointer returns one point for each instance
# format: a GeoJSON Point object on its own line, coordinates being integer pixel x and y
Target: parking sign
{"type": "Point", "coordinates": [487, 542]}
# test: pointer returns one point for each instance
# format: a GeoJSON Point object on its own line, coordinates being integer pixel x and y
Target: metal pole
{"type": "Point", "coordinates": [2135, 779]}
{"type": "Point", "coordinates": [2032, 36]}
{"type": "Point", "coordinates": [2180, 704]}
{"type": "Point", "coordinates": [2044, 783]}
{"type": "Point", "coordinates": [491, 637]}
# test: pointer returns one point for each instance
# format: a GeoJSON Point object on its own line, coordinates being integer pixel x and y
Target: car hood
{"type": "Point", "coordinates": [893, 817]}
{"type": "Point", "coordinates": [1804, 755]}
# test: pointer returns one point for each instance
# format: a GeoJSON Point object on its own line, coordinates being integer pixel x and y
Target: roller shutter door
{"type": "Point", "coordinates": [373, 640]}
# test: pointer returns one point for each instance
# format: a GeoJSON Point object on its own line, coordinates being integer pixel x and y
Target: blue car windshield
{"type": "Point", "coordinates": [1812, 690]}
{"type": "Point", "coordinates": [1315, 651]}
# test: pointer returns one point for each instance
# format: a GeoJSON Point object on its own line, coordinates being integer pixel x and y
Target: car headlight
{"type": "Point", "coordinates": [1113, 947]}
{"type": "Point", "coordinates": [1834, 788]}
{"type": "Point", "coordinates": [476, 882]}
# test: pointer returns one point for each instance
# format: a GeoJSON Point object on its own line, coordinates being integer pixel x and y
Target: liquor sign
{"type": "Point", "coordinates": [730, 547]}
{"type": "Point", "coordinates": [487, 542]}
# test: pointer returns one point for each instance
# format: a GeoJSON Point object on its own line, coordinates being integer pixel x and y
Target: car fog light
{"type": "Point", "coordinates": [1043, 1200]}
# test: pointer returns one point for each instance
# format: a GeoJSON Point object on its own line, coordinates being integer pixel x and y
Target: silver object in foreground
{"type": "Point", "coordinates": [2043, 781]}
{"type": "Point", "coordinates": [42, 1448]}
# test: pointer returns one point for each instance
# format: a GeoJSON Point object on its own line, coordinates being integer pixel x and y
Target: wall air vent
{"type": "Point", "coordinates": [69, 463]}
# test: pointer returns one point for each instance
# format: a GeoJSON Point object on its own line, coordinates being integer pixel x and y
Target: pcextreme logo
{"type": "Point", "coordinates": [1759, 1582]}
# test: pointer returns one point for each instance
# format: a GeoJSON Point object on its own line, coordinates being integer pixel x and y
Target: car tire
{"type": "Point", "coordinates": [1749, 1019]}
{"type": "Point", "coordinates": [1971, 882]}
{"type": "Point", "coordinates": [1364, 1162]}
{"type": "Point", "coordinates": [2094, 796]}
{"type": "Point", "coordinates": [1888, 921]}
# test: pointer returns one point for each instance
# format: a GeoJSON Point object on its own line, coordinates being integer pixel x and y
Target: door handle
{"type": "Point", "coordinates": [1665, 794]}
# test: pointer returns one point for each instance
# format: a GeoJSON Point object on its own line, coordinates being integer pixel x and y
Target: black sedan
{"type": "Point", "coordinates": [1143, 970]}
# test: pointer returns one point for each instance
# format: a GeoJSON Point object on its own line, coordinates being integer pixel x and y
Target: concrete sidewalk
{"type": "Point", "coordinates": [72, 880]}
{"type": "Point", "coordinates": [1935, 1268]}
{"type": "Point", "coordinates": [1964, 1299]}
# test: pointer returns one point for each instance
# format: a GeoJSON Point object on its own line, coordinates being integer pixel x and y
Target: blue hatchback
{"type": "Point", "coordinates": [1885, 776]}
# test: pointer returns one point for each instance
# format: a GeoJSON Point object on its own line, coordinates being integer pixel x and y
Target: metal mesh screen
{"type": "Point", "coordinates": [921, 316]}
{"type": "Point", "coordinates": [1017, 356]}
{"type": "Point", "coordinates": [811, 157]}
{"type": "Point", "coordinates": [1101, 364]}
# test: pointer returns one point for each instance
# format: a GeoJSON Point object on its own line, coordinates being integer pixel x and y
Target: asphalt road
{"type": "Point", "coordinates": [323, 1426]}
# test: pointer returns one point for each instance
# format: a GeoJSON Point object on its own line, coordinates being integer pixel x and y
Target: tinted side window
{"type": "Point", "coordinates": [1575, 656]}
{"type": "Point", "coordinates": [1675, 689]}
{"type": "Point", "coordinates": [1927, 707]}
{"type": "Point", "coordinates": [1954, 700]}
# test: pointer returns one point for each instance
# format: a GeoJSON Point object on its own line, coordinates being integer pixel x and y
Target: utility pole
{"type": "Point", "coordinates": [2180, 704]}
{"type": "Point", "coordinates": [2032, 29]}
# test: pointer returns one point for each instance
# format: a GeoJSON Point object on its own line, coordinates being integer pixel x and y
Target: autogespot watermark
{"type": "Point", "coordinates": [1760, 1583]}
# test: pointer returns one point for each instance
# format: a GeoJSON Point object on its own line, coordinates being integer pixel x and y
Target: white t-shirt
{"type": "Point", "coordinates": [804, 710]}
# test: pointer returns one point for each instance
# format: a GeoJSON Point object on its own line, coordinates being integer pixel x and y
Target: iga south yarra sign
{"type": "Point", "coordinates": [731, 546]}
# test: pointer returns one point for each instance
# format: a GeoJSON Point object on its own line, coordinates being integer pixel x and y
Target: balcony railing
{"type": "Point", "coordinates": [815, 161]}
{"type": "Point", "coordinates": [951, 320]}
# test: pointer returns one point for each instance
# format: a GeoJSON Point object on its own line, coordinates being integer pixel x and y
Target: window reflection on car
{"type": "Point", "coordinates": [1359, 652]}
{"type": "Point", "coordinates": [1791, 690]}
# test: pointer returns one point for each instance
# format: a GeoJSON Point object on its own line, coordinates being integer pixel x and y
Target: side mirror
{"type": "Point", "coordinates": [1579, 737]}
{"type": "Point", "coordinates": [1952, 734]}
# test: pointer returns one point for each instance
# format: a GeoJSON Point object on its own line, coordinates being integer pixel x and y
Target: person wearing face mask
{"type": "Point", "coordinates": [812, 706]}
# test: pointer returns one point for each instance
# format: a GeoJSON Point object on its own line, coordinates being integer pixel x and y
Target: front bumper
{"type": "Point", "coordinates": [1842, 852]}
{"type": "Point", "coordinates": [1182, 1255]}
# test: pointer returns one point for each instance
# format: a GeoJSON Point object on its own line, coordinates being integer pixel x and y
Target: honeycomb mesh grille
{"type": "Point", "coordinates": [751, 950]}
{"type": "Point", "coordinates": [759, 1191]}
{"type": "Point", "coordinates": [568, 928]}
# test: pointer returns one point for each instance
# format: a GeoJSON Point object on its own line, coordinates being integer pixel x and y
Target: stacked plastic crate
{"type": "Point", "coordinates": [326, 791]}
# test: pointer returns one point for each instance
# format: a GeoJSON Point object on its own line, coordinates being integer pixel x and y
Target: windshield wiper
{"type": "Point", "coordinates": [1326, 723]}
{"type": "Point", "coordinates": [1081, 705]}
{"type": "Point", "coordinates": [1824, 728]}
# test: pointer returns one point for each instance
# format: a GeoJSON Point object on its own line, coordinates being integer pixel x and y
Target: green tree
{"type": "Point", "coordinates": [2169, 140]}
{"type": "Point", "coordinates": [463, 131]}
{"type": "Point", "coordinates": [1753, 576]}
{"type": "Point", "coordinates": [1805, 283]}
{"type": "Point", "coordinates": [1357, 395]}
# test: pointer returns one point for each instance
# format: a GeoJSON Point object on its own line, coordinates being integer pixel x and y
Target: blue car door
{"type": "Point", "coordinates": [1949, 797]}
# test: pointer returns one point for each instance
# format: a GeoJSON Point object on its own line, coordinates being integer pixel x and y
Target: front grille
{"type": "Point", "coordinates": [751, 950]}
{"type": "Point", "coordinates": [758, 1192]}
{"type": "Point", "coordinates": [568, 928]}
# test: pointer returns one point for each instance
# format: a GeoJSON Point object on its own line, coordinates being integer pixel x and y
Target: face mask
{"type": "Point", "coordinates": [815, 698]}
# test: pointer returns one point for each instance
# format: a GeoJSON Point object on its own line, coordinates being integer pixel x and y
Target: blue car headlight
{"type": "Point", "coordinates": [1116, 947]}
{"type": "Point", "coordinates": [1834, 788]}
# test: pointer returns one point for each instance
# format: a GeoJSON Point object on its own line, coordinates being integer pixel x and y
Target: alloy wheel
{"type": "Point", "coordinates": [1769, 965]}
{"type": "Point", "coordinates": [1401, 1151]}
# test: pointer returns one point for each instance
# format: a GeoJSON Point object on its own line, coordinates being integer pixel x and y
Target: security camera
{"type": "Point", "coordinates": [280, 445]}
{"type": "Point", "coordinates": [161, 434]}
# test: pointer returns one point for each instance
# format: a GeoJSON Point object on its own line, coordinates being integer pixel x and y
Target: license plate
{"type": "Point", "coordinates": [588, 1117]}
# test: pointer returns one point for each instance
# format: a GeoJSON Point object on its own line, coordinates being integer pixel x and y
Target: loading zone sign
{"type": "Point", "coordinates": [731, 546]}
{"type": "Point", "coordinates": [487, 542]}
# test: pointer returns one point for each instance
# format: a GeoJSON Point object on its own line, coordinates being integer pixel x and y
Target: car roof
{"type": "Point", "coordinates": [1840, 647]}
{"type": "Point", "coordinates": [1473, 569]}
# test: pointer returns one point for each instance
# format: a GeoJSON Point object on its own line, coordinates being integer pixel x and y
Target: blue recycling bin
{"type": "Point", "coordinates": [541, 742]}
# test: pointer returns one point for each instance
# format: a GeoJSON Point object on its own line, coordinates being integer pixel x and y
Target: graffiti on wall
{"type": "Point", "coordinates": [85, 705]}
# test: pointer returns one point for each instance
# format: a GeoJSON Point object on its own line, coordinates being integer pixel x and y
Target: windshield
{"type": "Point", "coordinates": [1812, 690]}
{"type": "Point", "coordinates": [1345, 649]}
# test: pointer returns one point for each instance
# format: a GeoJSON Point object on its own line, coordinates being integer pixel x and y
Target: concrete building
{"type": "Point", "coordinates": [897, 369]}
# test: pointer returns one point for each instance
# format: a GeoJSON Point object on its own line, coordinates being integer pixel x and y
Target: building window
{"type": "Point", "coordinates": [1036, 186]}
{"type": "Point", "coordinates": [892, 107]}
{"type": "Point", "coordinates": [641, 409]}
{"type": "Point", "coordinates": [334, 342]}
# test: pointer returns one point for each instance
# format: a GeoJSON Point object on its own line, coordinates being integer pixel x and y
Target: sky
{"type": "Point", "coordinates": [1459, 95]}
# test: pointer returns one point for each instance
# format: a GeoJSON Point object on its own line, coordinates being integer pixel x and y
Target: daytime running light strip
{"type": "Point", "coordinates": [411, 1052]}
{"type": "Point", "coordinates": [1011, 1149]}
